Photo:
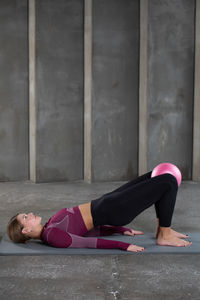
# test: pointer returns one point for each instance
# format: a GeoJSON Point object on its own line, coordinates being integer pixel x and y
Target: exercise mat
{"type": "Point", "coordinates": [148, 241]}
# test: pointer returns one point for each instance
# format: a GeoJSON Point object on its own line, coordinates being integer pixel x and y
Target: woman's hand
{"type": "Point", "coordinates": [133, 232]}
{"type": "Point", "coordinates": [135, 248]}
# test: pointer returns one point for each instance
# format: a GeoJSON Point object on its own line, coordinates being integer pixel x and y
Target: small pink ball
{"type": "Point", "coordinates": [167, 168]}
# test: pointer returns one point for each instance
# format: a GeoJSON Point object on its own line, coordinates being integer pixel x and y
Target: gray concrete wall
{"type": "Point", "coordinates": [115, 89]}
{"type": "Point", "coordinates": [13, 90]}
{"type": "Point", "coordinates": [170, 83]}
{"type": "Point", "coordinates": [59, 89]}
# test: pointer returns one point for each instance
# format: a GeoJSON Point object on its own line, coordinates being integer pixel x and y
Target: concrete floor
{"type": "Point", "coordinates": [96, 277]}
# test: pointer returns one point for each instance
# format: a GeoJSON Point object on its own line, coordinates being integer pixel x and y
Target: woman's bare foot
{"type": "Point", "coordinates": [133, 232]}
{"type": "Point", "coordinates": [167, 238]}
{"type": "Point", "coordinates": [178, 234]}
{"type": "Point", "coordinates": [175, 233]}
{"type": "Point", "coordinates": [135, 248]}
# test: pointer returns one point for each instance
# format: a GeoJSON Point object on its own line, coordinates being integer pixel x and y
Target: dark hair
{"type": "Point", "coordinates": [14, 231]}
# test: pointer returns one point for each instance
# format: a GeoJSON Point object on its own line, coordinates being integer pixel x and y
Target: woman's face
{"type": "Point", "coordinates": [29, 220]}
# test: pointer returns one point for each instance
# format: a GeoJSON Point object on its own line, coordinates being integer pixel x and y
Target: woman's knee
{"type": "Point", "coordinates": [170, 179]}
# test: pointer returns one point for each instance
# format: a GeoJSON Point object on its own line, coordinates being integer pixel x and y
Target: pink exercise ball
{"type": "Point", "coordinates": [167, 168]}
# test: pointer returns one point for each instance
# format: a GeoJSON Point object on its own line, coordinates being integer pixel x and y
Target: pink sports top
{"type": "Point", "coordinates": [67, 229]}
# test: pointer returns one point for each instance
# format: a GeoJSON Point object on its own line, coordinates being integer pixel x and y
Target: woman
{"type": "Point", "coordinates": [76, 227]}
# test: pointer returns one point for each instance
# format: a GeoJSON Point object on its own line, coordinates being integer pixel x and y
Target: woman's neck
{"type": "Point", "coordinates": [37, 233]}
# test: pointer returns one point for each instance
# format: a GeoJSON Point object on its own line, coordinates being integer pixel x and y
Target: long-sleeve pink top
{"type": "Point", "coordinates": [67, 229]}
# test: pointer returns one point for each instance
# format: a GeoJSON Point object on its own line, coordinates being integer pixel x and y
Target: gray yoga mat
{"type": "Point", "coordinates": [36, 247]}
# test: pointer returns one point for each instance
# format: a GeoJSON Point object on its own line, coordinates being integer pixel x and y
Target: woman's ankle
{"type": "Point", "coordinates": [164, 231]}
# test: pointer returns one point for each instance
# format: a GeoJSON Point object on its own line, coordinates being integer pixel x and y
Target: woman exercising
{"type": "Point", "coordinates": [80, 226]}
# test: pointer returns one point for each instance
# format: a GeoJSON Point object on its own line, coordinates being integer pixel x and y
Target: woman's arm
{"type": "Point", "coordinates": [61, 239]}
{"type": "Point", "coordinates": [108, 244]}
{"type": "Point", "coordinates": [109, 230]}
{"type": "Point", "coordinates": [104, 230]}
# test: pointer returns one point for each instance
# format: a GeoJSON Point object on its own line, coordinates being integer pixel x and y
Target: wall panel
{"type": "Point", "coordinates": [170, 83]}
{"type": "Point", "coordinates": [14, 144]}
{"type": "Point", "coordinates": [115, 89]}
{"type": "Point", "coordinates": [59, 90]}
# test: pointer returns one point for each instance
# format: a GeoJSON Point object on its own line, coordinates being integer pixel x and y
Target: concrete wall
{"type": "Point", "coordinates": [59, 90]}
{"type": "Point", "coordinates": [115, 89]}
{"type": "Point", "coordinates": [14, 164]}
{"type": "Point", "coordinates": [170, 83]}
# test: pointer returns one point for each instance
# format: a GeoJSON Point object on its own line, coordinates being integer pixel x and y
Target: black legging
{"type": "Point", "coordinates": [122, 205]}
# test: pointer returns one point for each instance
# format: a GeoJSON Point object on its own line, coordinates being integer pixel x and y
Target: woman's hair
{"type": "Point", "coordinates": [14, 231]}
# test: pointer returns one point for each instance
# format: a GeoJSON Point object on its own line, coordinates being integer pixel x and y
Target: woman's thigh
{"type": "Point", "coordinates": [122, 206]}
{"type": "Point", "coordinates": [133, 182]}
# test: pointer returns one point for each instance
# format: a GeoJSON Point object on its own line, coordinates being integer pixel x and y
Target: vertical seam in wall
{"type": "Point", "coordinates": [88, 91]}
{"type": "Point", "coordinates": [142, 156]}
{"type": "Point", "coordinates": [32, 101]}
{"type": "Point", "coordinates": [196, 119]}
